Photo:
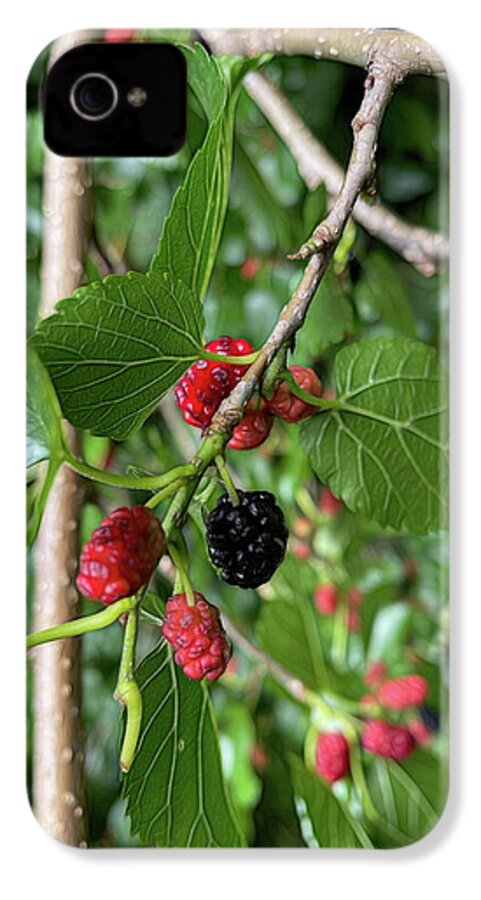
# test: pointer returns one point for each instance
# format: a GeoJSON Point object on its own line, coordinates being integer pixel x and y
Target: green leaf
{"type": "Point", "coordinates": [206, 80]}
{"type": "Point", "coordinates": [175, 790]}
{"type": "Point", "coordinates": [384, 450]}
{"type": "Point", "coordinates": [389, 632]}
{"type": "Point", "coordinates": [324, 820]}
{"type": "Point", "coordinates": [44, 417]}
{"type": "Point", "coordinates": [238, 740]}
{"type": "Point", "coordinates": [329, 320]}
{"type": "Point", "coordinates": [44, 438]}
{"type": "Point", "coordinates": [288, 631]}
{"type": "Point", "coordinates": [117, 346]}
{"type": "Point", "coordinates": [408, 796]}
{"type": "Point", "coordinates": [381, 293]}
{"type": "Point", "coordinates": [192, 230]}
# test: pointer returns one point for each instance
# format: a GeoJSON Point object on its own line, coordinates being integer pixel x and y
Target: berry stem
{"type": "Point", "coordinates": [131, 482]}
{"type": "Point", "coordinates": [76, 627]}
{"type": "Point", "coordinates": [277, 366]}
{"type": "Point", "coordinates": [310, 399]}
{"type": "Point", "coordinates": [180, 564]}
{"type": "Point", "coordinates": [127, 692]}
{"type": "Point", "coordinates": [245, 360]}
{"type": "Point", "coordinates": [167, 491]}
{"type": "Point", "coordinates": [227, 480]}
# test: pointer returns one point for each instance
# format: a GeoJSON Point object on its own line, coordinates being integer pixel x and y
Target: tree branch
{"type": "Point", "coordinates": [380, 82]}
{"type": "Point", "coordinates": [58, 772]}
{"type": "Point", "coordinates": [424, 249]}
{"type": "Point", "coordinates": [407, 52]}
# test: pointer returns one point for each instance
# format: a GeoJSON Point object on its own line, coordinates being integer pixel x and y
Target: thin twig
{"type": "Point", "coordinates": [381, 79]}
{"type": "Point", "coordinates": [424, 249]}
{"type": "Point", "coordinates": [294, 686]}
{"type": "Point", "coordinates": [379, 85]}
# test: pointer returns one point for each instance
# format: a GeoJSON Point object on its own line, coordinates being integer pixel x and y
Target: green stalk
{"type": "Point", "coordinates": [274, 372]}
{"type": "Point", "coordinates": [246, 360]}
{"type": "Point", "coordinates": [131, 482]}
{"type": "Point", "coordinates": [83, 625]}
{"type": "Point", "coordinates": [181, 566]}
{"type": "Point", "coordinates": [304, 395]}
{"type": "Point", "coordinates": [127, 692]}
{"type": "Point", "coordinates": [227, 480]}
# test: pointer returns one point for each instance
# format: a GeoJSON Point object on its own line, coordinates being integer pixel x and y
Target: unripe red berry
{"type": "Point", "coordinates": [253, 429]}
{"type": "Point", "coordinates": [332, 756]}
{"type": "Point", "coordinates": [329, 504]}
{"type": "Point", "coordinates": [301, 550]}
{"type": "Point", "coordinates": [400, 693]}
{"type": "Point", "coordinates": [420, 733]}
{"type": "Point", "coordinates": [206, 383]}
{"type": "Point", "coordinates": [249, 268]}
{"type": "Point", "coordinates": [201, 646]}
{"type": "Point", "coordinates": [121, 555]}
{"type": "Point", "coordinates": [384, 739]}
{"type": "Point", "coordinates": [302, 527]}
{"type": "Point", "coordinates": [118, 35]}
{"type": "Point", "coordinates": [354, 597]}
{"type": "Point", "coordinates": [368, 699]}
{"type": "Point", "coordinates": [353, 620]}
{"type": "Point", "coordinates": [375, 673]}
{"type": "Point", "coordinates": [285, 405]}
{"type": "Point", "coordinates": [325, 598]}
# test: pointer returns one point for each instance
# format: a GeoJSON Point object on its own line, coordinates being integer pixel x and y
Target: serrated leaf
{"type": "Point", "coordinates": [44, 417]}
{"type": "Point", "coordinates": [409, 796]}
{"type": "Point", "coordinates": [384, 451]}
{"type": "Point", "coordinates": [206, 80]}
{"type": "Point", "coordinates": [192, 230]}
{"type": "Point", "coordinates": [175, 790]}
{"type": "Point", "coordinates": [324, 820]}
{"type": "Point", "coordinates": [117, 346]}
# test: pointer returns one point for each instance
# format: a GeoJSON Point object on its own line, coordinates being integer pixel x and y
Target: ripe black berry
{"type": "Point", "coordinates": [247, 542]}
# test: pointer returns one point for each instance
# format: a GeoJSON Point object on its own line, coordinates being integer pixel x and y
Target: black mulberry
{"type": "Point", "coordinates": [247, 542]}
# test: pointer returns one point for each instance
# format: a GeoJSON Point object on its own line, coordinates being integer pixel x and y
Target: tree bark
{"type": "Point", "coordinates": [58, 756]}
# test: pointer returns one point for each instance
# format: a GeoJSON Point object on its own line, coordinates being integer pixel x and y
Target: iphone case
{"type": "Point", "coordinates": [237, 455]}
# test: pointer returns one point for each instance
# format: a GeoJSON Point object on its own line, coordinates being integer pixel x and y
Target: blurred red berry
{"type": "Point", "coordinates": [353, 620]}
{"type": "Point", "coordinates": [400, 693]}
{"type": "Point", "coordinates": [285, 405]}
{"type": "Point", "coordinates": [249, 268]}
{"type": "Point", "coordinates": [420, 733]}
{"type": "Point", "coordinates": [375, 673]}
{"type": "Point", "coordinates": [354, 597]}
{"type": "Point", "coordinates": [384, 739]}
{"type": "Point", "coordinates": [368, 699]}
{"type": "Point", "coordinates": [118, 35]}
{"type": "Point", "coordinates": [201, 646]}
{"type": "Point", "coordinates": [259, 757]}
{"type": "Point", "coordinates": [329, 504]}
{"type": "Point", "coordinates": [332, 756]}
{"type": "Point", "coordinates": [253, 429]}
{"type": "Point", "coordinates": [325, 598]}
{"type": "Point", "coordinates": [301, 550]}
{"type": "Point", "coordinates": [121, 555]}
{"type": "Point", "coordinates": [206, 383]}
{"type": "Point", "coordinates": [302, 527]}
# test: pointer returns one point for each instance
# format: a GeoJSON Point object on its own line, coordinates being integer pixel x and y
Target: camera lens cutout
{"type": "Point", "coordinates": [94, 96]}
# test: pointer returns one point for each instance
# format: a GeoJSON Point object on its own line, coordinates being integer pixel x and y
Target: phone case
{"type": "Point", "coordinates": [237, 455]}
